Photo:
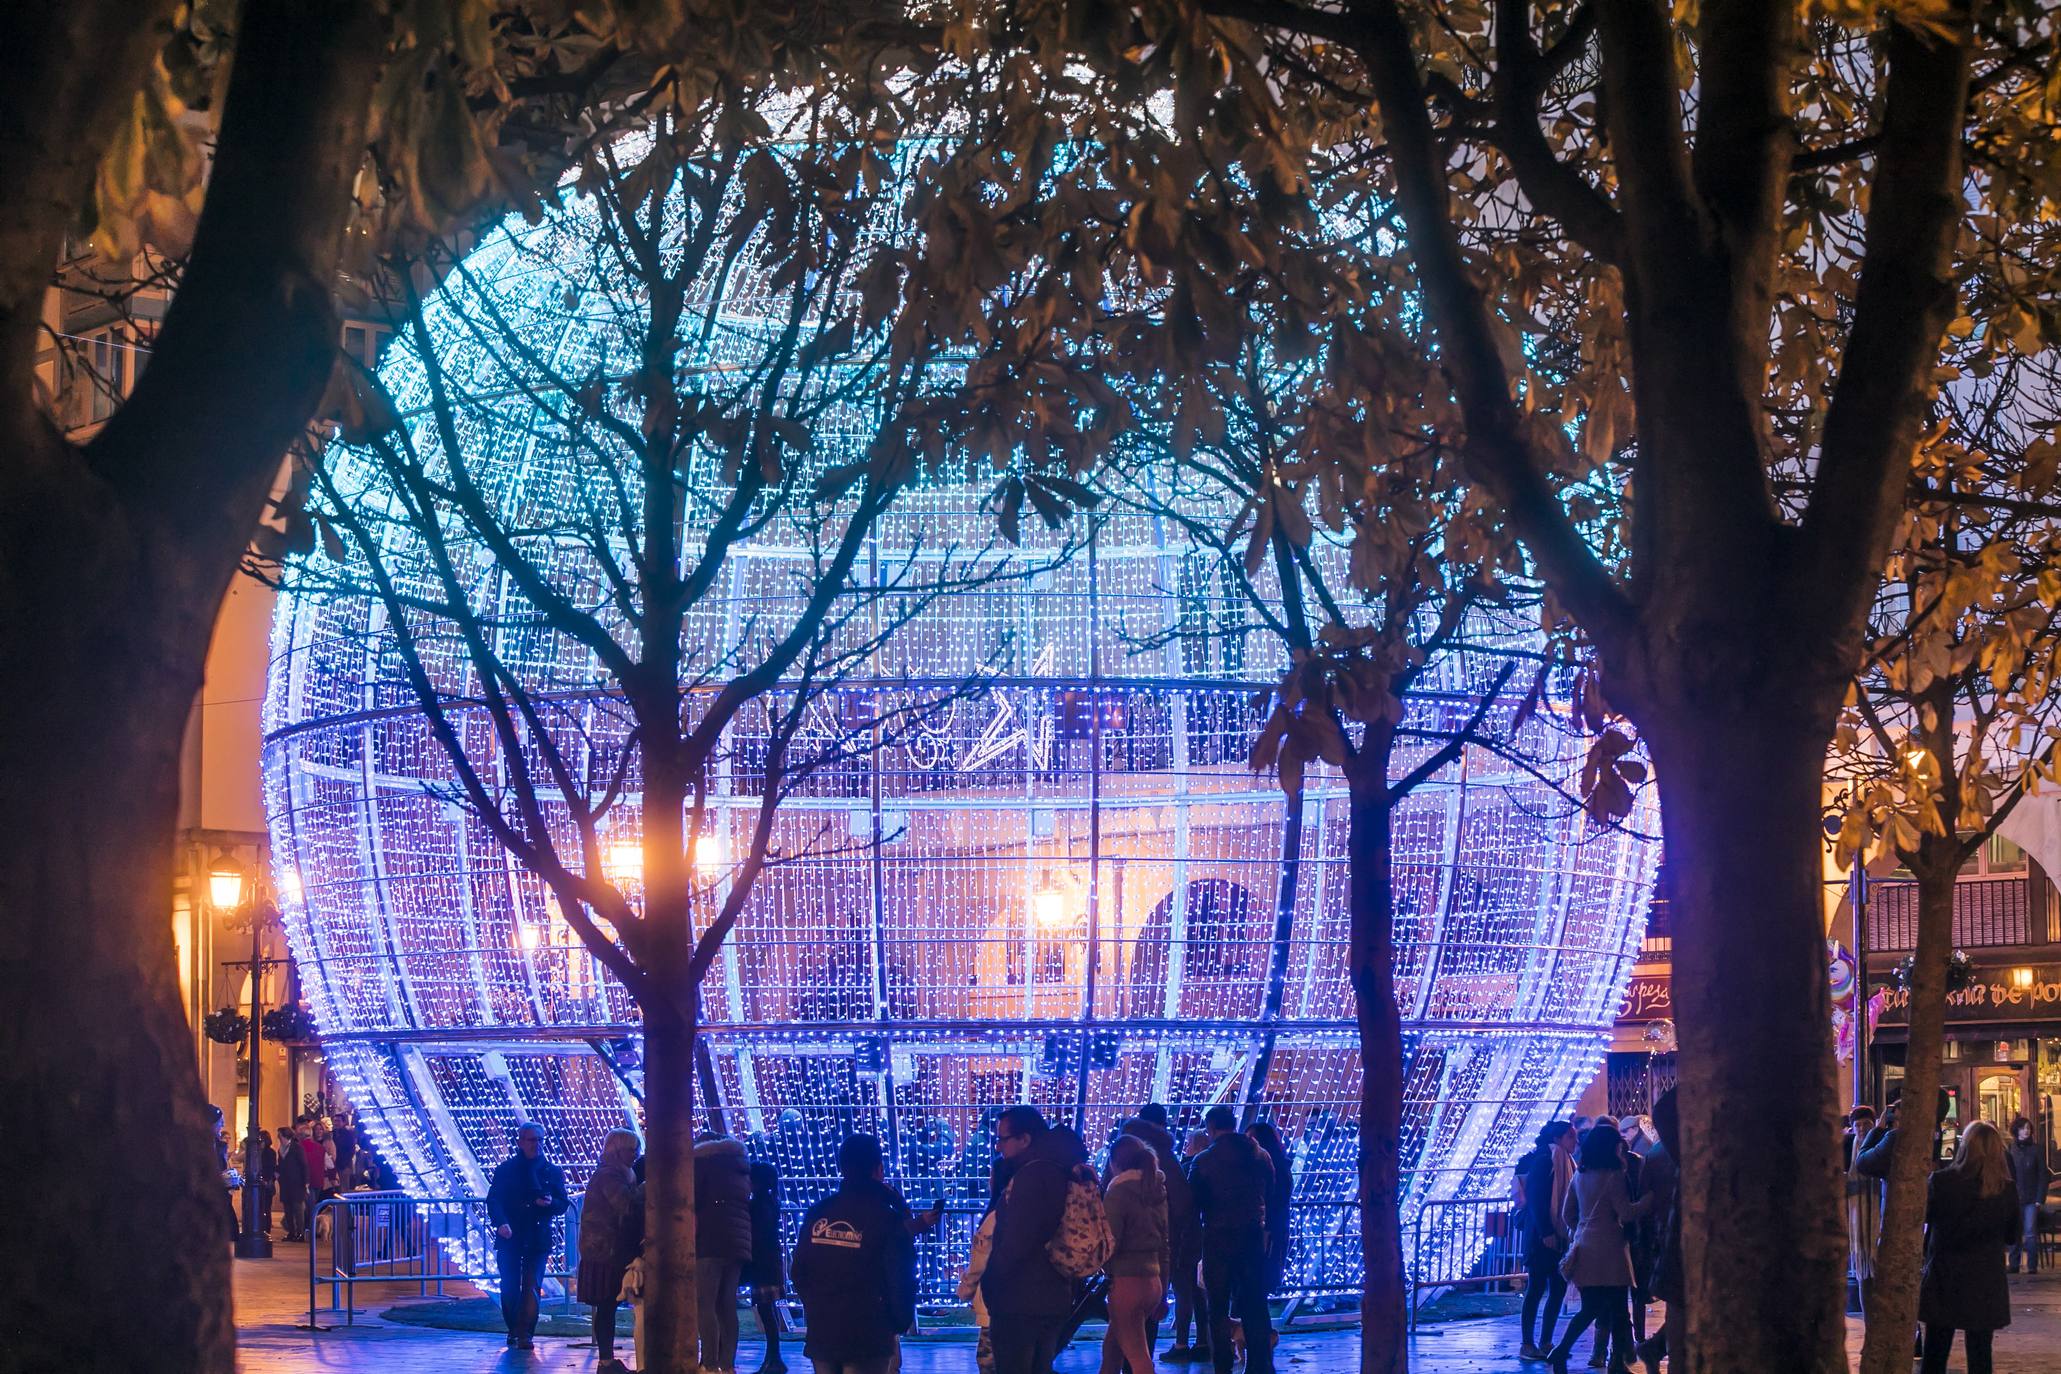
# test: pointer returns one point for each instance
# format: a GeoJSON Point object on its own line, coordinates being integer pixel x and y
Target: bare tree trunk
{"type": "Point", "coordinates": [1384, 1328]}
{"type": "Point", "coordinates": [116, 1198]}
{"type": "Point", "coordinates": [1893, 1296]}
{"type": "Point", "coordinates": [671, 1326]}
{"type": "Point", "coordinates": [1763, 1239]}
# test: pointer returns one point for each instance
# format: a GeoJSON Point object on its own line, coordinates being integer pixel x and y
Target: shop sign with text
{"type": "Point", "coordinates": [1994, 996]}
{"type": "Point", "coordinates": [1649, 997]}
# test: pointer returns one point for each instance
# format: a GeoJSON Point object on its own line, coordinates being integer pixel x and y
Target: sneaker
{"type": "Point", "coordinates": [1528, 1351]}
{"type": "Point", "coordinates": [1177, 1354]}
{"type": "Point", "coordinates": [1597, 1359]}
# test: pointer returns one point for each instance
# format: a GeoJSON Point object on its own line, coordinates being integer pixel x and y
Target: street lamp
{"type": "Point", "coordinates": [229, 891]}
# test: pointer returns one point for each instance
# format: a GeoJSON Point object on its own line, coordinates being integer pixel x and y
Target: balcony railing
{"type": "Point", "coordinates": [1988, 912]}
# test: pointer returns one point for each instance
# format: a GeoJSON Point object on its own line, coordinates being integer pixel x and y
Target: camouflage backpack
{"type": "Point", "coordinates": [1083, 1243]}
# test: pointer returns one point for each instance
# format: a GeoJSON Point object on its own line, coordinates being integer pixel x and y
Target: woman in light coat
{"type": "Point", "coordinates": [1143, 1257]}
{"type": "Point", "coordinates": [611, 1232]}
{"type": "Point", "coordinates": [1599, 1261]}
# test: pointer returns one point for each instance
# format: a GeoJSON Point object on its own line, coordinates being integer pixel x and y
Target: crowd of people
{"type": "Point", "coordinates": [1596, 1212]}
{"type": "Point", "coordinates": [306, 1163]}
{"type": "Point", "coordinates": [1197, 1231]}
{"type": "Point", "coordinates": [1056, 1244]}
{"type": "Point", "coordinates": [1982, 1206]}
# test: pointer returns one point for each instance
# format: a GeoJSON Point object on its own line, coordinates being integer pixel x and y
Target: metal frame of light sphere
{"type": "Point", "coordinates": [1063, 891]}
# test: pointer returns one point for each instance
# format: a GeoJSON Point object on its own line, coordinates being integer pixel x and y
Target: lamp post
{"type": "Point", "coordinates": [228, 889]}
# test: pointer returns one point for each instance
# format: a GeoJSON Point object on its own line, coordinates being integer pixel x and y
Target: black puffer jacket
{"type": "Point", "coordinates": [1231, 1181]}
{"type": "Point", "coordinates": [854, 1269]}
{"type": "Point", "coordinates": [1020, 1279]}
{"type": "Point", "coordinates": [722, 1200]}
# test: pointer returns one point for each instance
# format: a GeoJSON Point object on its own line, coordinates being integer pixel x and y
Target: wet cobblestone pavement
{"type": "Point", "coordinates": [273, 1338]}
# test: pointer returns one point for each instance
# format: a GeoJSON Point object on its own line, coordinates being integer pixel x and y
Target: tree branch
{"type": "Point", "coordinates": [1553, 186]}
{"type": "Point", "coordinates": [1744, 143]}
{"type": "Point", "coordinates": [1498, 451]}
{"type": "Point", "coordinates": [251, 337]}
{"type": "Point", "coordinates": [1901, 309]}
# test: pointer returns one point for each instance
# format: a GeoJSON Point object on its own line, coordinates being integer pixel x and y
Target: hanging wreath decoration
{"type": "Point", "coordinates": [226, 1026]}
{"type": "Point", "coordinates": [289, 1024]}
{"type": "Point", "coordinates": [1960, 973]}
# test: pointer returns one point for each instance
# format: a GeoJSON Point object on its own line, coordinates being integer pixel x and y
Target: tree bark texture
{"type": "Point", "coordinates": [118, 1204]}
{"type": "Point", "coordinates": [1384, 1327]}
{"type": "Point", "coordinates": [1764, 1244]}
{"type": "Point", "coordinates": [113, 560]}
{"type": "Point", "coordinates": [671, 1321]}
{"type": "Point", "coordinates": [1893, 1296]}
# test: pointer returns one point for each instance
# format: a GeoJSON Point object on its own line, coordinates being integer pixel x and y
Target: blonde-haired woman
{"type": "Point", "coordinates": [611, 1232]}
{"type": "Point", "coordinates": [1971, 1216]}
{"type": "Point", "coordinates": [1142, 1258]}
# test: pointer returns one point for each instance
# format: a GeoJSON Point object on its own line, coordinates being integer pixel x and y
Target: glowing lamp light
{"type": "Point", "coordinates": [711, 853]}
{"type": "Point", "coordinates": [225, 886]}
{"type": "Point", "coordinates": [2021, 979]}
{"type": "Point", "coordinates": [623, 861]}
{"type": "Point", "coordinates": [1049, 908]}
{"type": "Point", "coordinates": [528, 936]}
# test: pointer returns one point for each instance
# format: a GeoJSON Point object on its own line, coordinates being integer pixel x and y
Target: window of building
{"type": "Point", "coordinates": [364, 342]}
{"type": "Point", "coordinates": [113, 362]}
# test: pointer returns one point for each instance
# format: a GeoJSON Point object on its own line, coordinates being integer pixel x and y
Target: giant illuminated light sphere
{"type": "Point", "coordinates": [1066, 890]}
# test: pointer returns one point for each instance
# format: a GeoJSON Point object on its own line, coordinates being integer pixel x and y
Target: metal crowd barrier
{"type": "Point", "coordinates": [1463, 1244]}
{"type": "Point", "coordinates": [391, 1238]}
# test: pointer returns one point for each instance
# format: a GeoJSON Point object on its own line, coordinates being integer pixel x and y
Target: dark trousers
{"type": "Point", "coordinates": [1234, 1279]}
{"type": "Point", "coordinates": [293, 1211]}
{"type": "Point", "coordinates": [1939, 1342]}
{"type": "Point", "coordinates": [1025, 1343]}
{"type": "Point", "coordinates": [522, 1273]}
{"type": "Point", "coordinates": [1187, 1285]}
{"type": "Point", "coordinates": [1610, 1309]}
{"type": "Point", "coordinates": [879, 1366]}
{"type": "Point", "coordinates": [763, 1305]}
{"type": "Point", "coordinates": [1544, 1290]}
{"type": "Point", "coordinates": [2028, 1242]}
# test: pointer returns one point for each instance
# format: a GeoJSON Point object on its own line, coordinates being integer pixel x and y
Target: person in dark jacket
{"type": "Point", "coordinates": [1028, 1300]}
{"type": "Point", "coordinates": [1663, 1182]}
{"type": "Point", "coordinates": [1279, 1200]}
{"type": "Point", "coordinates": [293, 1184]}
{"type": "Point", "coordinates": [855, 1268]}
{"type": "Point", "coordinates": [261, 1162]}
{"type": "Point", "coordinates": [1542, 1179]}
{"type": "Point", "coordinates": [722, 1244]}
{"type": "Point", "coordinates": [1149, 1125]}
{"type": "Point", "coordinates": [611, 1233]}
{"type": "Point", "coordinates": [766, 1275]}
{"type": "Point", "coordinates": [1971, 1215]}
{"type": "Point", "coordinates": [2029, 1170]}
{"type": "Point", "coordinates": [527, 1192]}
{"type": "Point", "coordinates": [1232, 1181]}
{"type": "Point", "coordinates": [343, 1138]}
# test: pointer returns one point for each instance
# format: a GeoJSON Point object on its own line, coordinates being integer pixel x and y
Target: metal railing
{"type": "Point", "coordinates": [1989, 913]}
{"type": "Point", "coordinates": [1463, 1244]}
{"type": "Point", "coordinates": [392, 1238]}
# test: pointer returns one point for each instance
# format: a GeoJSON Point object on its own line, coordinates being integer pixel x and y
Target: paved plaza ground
{"type": "Point", "coordinates": [273, 1338]}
